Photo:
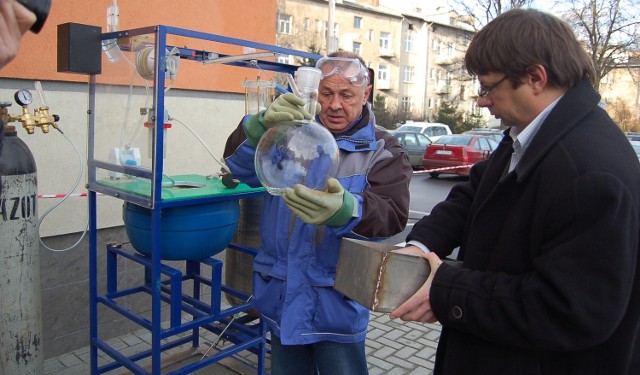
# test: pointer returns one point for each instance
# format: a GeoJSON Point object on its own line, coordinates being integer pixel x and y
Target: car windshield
{"type": "Point", "coordinates": [454, 140]}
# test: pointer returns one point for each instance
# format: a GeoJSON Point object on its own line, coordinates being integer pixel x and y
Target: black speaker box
{"type": "Point", "coordinates": [79, 49]}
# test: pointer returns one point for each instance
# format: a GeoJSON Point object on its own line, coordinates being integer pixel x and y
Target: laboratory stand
{"type": "Point", "coordinates": [176, 223]}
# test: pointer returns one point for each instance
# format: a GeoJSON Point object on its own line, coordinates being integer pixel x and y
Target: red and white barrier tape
{"type": "Point", "coordinates": [442, 169]}
{"type": "Point", "coordinates": [46, 196]}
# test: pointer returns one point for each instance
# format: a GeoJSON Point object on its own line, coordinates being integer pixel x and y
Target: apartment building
{"type": "Point", "coordinates": [416, 53]}
{"type": "Point", "coordinates": [621, 93]}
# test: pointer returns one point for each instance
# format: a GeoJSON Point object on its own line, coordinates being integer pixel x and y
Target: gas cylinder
{"type": "Point", "coordinates": [20, 310]}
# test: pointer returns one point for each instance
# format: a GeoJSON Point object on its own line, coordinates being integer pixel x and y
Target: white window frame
{"type": "Point", "coordinates": [408, 73]}
{"type": "Point", "coordinates": [385, 40]}
{"type": "Point", "coordinates": [434, 44]}
{"type": "Point", "coordinates": [406, 104]}
{"type": "Point", "coordinates": [336, 29]}
{"type": "Point", "coordinates": [284, 24]}
{"type": "Point", "coordinates": [408, 43]}
{"type": "Point", "coordinates": [383, 72]}
{"type": "Point", "coordinates": [284, 59]}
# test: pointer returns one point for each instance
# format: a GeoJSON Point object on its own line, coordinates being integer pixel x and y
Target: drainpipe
{"type": "Point", "coordinates": [425, 101]}
{"type": "Point", "coordinates": [332, 44]}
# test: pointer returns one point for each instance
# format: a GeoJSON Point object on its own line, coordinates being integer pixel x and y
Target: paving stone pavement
{"type": "Point", "coordinates": [392, 347]}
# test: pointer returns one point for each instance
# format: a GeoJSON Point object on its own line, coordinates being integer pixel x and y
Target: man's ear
{"type": "Point", "coordinates": [537, 78]}
{"type": "Point", "coordinates": [367, 92]}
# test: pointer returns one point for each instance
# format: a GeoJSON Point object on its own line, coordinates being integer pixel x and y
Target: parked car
{"type": "Point", "coordinates": [633, 136]}
{"type": "Point", "coordinates": [433, 130]}
{"type": "Point", "coordinates": [636, 147]}
{"type": "Point", "coordinates": [415, 144]}
{"type": "Point", "coordinates": [458, 152]}
{"type": "Point", "coordinates": [496, 134]}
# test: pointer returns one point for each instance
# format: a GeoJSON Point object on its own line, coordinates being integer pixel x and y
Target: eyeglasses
{"type": "Point", "coordinates": [350, 69]}
{"type": "Point", "coordinates": [483, 91]}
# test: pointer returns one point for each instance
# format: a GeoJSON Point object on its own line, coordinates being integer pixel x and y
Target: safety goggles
{"type": "Point", "coordinates": [350, 69]}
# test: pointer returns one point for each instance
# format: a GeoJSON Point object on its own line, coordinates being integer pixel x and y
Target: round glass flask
{"type": "Point", "coordinates": [296, 152]}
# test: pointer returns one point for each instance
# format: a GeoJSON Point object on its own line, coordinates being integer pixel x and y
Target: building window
{"type": "Point", "coordinates": [357, 22]}
{"type": "Point", "coordinates": [284, 24]}
{"type": "Point", "coordinates": [450, 49]}
{"type": "Point", "coordinates": [408, 43]}
{"type": "Point", "coordinates": [383, 72]}
{"type": "Point", "coordinates": [357, 48]}
{"type": "Point", "coordinates": [467, 39]}
{"type": "Point", "coordinates": [431, 103]}
{"type": "Point", "coordinates": [434, 44]}
{"type": "Point", "coordinates": [408, 74]}
{"type": "Point", "coordinates": [371, 35]}
{"type": "Point", "coordinates": [406, 104]}
{"type": "Point", "coordinates": [336, 30]}
{"type": "Point", "coordinates": [318, 26]}
{"type": "Point", "coordinates": [307, 22]}
{"type": "Point", "coordinates": [385, 40]}
{"type": "Point", "coordinates": [284, 59]}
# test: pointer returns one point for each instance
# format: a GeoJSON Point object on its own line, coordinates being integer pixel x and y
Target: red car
{"type": "Point", "coordinates": [456, 153]}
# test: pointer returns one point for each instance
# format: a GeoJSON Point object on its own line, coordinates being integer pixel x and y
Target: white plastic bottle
{"type": "Point", "coordinates": [307, 80]}
{"type": "Point", "coordinates": [110, 46]}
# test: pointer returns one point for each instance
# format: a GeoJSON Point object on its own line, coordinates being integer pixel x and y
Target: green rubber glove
{"type": "Point", "coordinates": [287, 107]}
{"type": "Point", "coordinates": [334, 207]}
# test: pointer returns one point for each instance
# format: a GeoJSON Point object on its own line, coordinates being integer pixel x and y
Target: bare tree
{"type": "Point", "coordinates": [622, 114]}
{"type": "Point", "coordinates": [609, 29]}
{"type": "Point", "coordinates": [483, 11]}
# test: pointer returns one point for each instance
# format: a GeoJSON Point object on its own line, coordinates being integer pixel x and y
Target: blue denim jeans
{"type": "Point", "coordinates": [323, 358]}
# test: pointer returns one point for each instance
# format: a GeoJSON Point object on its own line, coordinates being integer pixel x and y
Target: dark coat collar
{"type": "Point", "coordinates": [576, 103]}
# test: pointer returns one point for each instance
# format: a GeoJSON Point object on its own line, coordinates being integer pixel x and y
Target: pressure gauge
{"type": "Point", "coordinates": [23, 97]}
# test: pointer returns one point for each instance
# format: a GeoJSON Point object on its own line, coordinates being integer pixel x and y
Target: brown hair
{"type": "Point", "coordinates": [520, 38]}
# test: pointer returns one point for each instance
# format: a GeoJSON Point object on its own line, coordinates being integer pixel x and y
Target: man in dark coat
{"type": "Point", "coordinates": [548, 280]}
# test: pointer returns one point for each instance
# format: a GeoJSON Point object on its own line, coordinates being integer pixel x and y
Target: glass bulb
{"type": "Point", "coordinates": [296, 152]}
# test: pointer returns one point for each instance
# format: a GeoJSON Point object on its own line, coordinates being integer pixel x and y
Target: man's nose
{"type": "Point", "coordinates": [483, 101]}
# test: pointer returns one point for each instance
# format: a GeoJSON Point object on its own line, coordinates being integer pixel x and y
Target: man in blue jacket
{"type": "Point", "coordinates": [313, 327]}
{"type": "Point", "coordinates": [547, 228]}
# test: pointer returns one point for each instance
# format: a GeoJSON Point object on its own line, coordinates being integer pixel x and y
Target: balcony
{"type": "Point", "coordinates": [444, 60]}
{"type": "Point", "coordinates": [442, 89]}
{"type": "Point", "coordinates": [386, 52]}
{"type": "Point", "coordinates": [383, 85]}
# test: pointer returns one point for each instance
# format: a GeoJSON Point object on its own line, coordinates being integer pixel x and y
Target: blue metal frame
{"type": "Point", "coordinates": [205, 315]}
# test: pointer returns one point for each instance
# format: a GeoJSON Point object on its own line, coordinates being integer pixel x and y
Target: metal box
{"type": "Point", "coordinates": [370, 274]}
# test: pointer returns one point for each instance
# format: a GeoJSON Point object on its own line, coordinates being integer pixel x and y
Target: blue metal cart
{"type": "Point", "coordinates": [174, 292]}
